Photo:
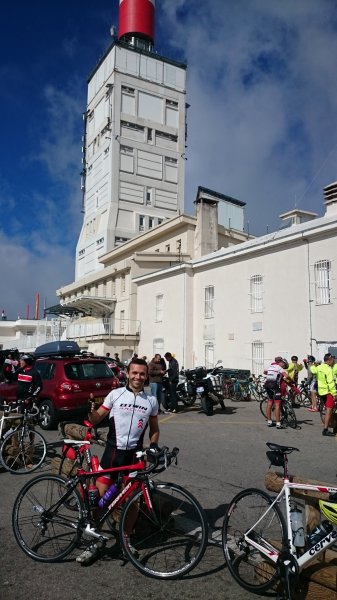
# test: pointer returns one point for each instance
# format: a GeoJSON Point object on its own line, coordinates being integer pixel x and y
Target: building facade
{"type": "Point", "coordinates": [244, 305]}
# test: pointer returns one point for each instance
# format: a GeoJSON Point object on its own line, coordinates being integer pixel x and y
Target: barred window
{"type": "Point", "coordinates": [209, 302]}
{"type": "Point", "coordinates": [257, 357]}
{"type": "Point", "coordinates": [256, 305]}
{"type": "Point", "coordinates": [323, 281]}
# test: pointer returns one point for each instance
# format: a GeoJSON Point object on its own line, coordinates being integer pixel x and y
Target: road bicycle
{"type": "Point", "coordinates": [22, 449]}
{"type": "Point", "coordinates": [263, 543]}
{"type": "Point", "coordinates": [303, 397]}
{"type": "Point", "coordinates": [256, 387]}
{"type": "Point", "coordinates": [168, 533]}
{"type": "Point", "coordinates": [288, 416]}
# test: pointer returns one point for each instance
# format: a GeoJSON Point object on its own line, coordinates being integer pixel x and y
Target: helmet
{"type": "Point", "coordinates": [294, 357]}
{"type": "Point", "coordinates": [311, 358]}
{"type": "Point", "coordinates": [329, 510]}
{"type": "Point", "coordinates": [28, 358]}
{"type": "Point", "coordinates": [285, 362]}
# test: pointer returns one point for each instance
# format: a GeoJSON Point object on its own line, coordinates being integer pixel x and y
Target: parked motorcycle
{"type": "Point", "coordinates": [211, 391]}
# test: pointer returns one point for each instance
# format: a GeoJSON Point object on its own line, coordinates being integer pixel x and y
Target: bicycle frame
{"type": "Point", "coordinates": [273, 553]}
{"type": "Point", "coordinates": [8, 417]}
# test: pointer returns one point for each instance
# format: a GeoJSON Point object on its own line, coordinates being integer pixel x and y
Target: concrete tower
{"type": "Point", "coordinates": [134, 140]}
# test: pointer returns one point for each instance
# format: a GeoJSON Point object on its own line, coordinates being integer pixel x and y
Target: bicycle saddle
{"type": "Point", "coordinates": [283, 449]}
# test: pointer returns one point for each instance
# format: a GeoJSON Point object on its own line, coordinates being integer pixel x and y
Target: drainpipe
{"type": "Point", "coordinates": [309, 293]}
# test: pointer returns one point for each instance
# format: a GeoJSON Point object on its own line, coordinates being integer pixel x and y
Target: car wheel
{"type": "Point", "coordinates": [47, 417]}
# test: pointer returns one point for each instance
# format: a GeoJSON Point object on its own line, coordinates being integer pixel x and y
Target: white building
{"type": "Point", "coordinates": [276, 294]}
{"type": "Point", "coordinates": [133, 149]}
{"type": "Point", "coordinates": [100, 310]}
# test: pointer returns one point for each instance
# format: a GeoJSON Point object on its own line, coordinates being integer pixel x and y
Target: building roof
{"type": "Point", "coordinates": [203, 191]}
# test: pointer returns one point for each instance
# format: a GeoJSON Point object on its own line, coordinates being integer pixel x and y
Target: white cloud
{"type": "Point", "coordinates": [263, 95]}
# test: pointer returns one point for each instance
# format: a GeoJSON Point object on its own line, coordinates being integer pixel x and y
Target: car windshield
{"type": "Point", "coordinates": [87, 370]}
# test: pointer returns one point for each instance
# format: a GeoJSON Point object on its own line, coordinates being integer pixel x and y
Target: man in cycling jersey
{"type": "Point", "coordinates": [276, 387]}
{"type": "Point", "coordinates": [131, 410]}
{"type": "Point", "coordinates": [326, 388]}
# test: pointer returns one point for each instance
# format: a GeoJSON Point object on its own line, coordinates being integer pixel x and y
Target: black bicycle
{"type": "Point", "coordinates": [288, 416]}
{"type": "Point", "coordinates": [22, 449]}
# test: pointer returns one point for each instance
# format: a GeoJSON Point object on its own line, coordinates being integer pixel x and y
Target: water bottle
{"type": "Point", "coordinates": [93, 494]}
{"type": "Point", "coordinates": [297, 527]}
{"type": "Point", "coordinates": [94, 463]}
{"type": "Point", "coordinates": [319, 532]}
{"type": "Point", "coordinates": [109, 495]}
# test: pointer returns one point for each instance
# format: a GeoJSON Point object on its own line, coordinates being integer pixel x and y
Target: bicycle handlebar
{"type": "Point", "coordinates": [160, 460]}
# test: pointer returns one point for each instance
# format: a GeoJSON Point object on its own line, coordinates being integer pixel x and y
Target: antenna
{"type": "Point", "coordinates": [113, 31]}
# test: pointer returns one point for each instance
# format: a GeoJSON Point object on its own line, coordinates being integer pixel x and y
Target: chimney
{"type": "Point", "coordinates": [136, 23]}
{"type": "Point", "coordinates": [330, 199]}
{"type": "Point", "coordinates": [206, 232]}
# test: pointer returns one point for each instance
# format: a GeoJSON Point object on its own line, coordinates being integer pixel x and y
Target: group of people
{"type": "Point", "coordinates": [322, 381]}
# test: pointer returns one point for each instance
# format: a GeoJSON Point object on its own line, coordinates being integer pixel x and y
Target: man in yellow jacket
{"type": "Point", "coordinates": [326, 387]}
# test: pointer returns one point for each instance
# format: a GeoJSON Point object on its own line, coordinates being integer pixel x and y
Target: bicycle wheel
{"type": "Point", "coordinates": [45, 526]}
{"type": "Point", "coordinates": [169, 540]}
{"type": "Point", "coordinates": [263, 407]}
{"type": "Point", "coordinates": [248, 512]}
{"type": "Point", "coordinates": [288, 417]}
{"type": "Point", "coordinates": [23, 451]}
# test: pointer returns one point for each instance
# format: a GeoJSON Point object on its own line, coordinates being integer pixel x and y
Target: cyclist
{"type": "Point", "coordinates": [293, 370]}
{"type": "Point", "coordinates": [326, 388]}
{"type": "Point", "coordinates": [276, 387]}
{"type": "Point", "coordinates": [29, 382]}
{"type": "Point", "coordinates": [312, 382]}
{"type": "Point", "coordinates": [131, 410]}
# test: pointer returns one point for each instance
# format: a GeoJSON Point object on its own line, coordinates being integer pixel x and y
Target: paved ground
{"type": "Point", "coordinates": [219, 456]}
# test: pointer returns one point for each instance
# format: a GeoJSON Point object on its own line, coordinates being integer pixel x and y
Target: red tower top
{"type": "Point", "coordinates": [136, 19]}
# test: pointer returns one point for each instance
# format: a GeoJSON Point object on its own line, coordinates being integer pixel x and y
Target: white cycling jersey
{"type": "Point", "coordinates": [129, 417]}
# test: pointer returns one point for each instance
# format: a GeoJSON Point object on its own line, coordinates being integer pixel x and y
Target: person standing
{"type": "Point", "coordinates": [326, 388]}
{"type": "Point", "coordinates": [293, 370]}
{"type": "Point", "coordinates": [156, 373]}
{"type": "Point", "coordinates": [131, 411]}
{"type": "Point", "coordinates": [173, 377]}
{"type": "Point", "coordinates": [276, 387]}
{"type": "Point", "coordinates": [311, 382]}
{"type": "Point", "coordinates": [29, 382]}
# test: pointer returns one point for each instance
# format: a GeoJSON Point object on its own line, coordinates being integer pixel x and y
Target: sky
{"type": "Point", "coordinates": [262, 122]}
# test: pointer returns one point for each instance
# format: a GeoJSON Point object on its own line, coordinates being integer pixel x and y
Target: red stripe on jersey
{"type": "Point", "coordinates": [23, 377]}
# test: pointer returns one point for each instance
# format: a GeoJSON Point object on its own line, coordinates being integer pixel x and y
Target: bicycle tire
{"type": "Point", "coordinates": [23, 451]}
{"type": "Point", "coordinates": [252, 570]}
{"type": "Point", "coordinates": [44, 533]}
{"type": "Point", "coordinates": [263, 407]}
{"type": "Point", "coordinates": [288, 416]}
{"type": "Point", "coordinates": [170, 539]}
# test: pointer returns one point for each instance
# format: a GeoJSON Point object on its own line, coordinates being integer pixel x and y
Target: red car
{"type": "Point", "coordinates": [69, 382]}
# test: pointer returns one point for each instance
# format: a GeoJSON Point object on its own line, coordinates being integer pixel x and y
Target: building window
{"type": "Point", "coordinates": [128, 100]}
{"type": "Point", "coordinates": [167, 247]}
{"type": "Point", "coordinates": [122, 320]}
{"type": "Point", "coordinates": [158, 346]}
{"type": "Point", "coordinates": [123, 283]}
{"type": "Point", "coordinates": [209, 355]}
{"type": "Point", "coordinates": [256, 305]}
{"type": "Point", "coordinates": [149, 134]}
{"type": "Point", "coordinates": [148, 196]}
{"type": "Point", "coordinates": [209, 302]}
{"type": "Point", "coordinates": [159, 308]}
{"type": "Point", "coordinates": [257, 357]}
{"type": "Point", "coordinates": [113, 287]}
{"type": "Point", "coordinates": [141, 223]}
{"type": "Point", "coordinates": [323, 281]}
{"type": "Point", "coordinates": [151, 221]}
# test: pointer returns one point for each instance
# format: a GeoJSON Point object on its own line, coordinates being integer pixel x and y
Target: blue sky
{"type": "Point", "coordinates": [261, 126]}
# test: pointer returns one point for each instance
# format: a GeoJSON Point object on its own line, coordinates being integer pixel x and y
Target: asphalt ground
{"type": "Point", "coordinates": [219, 456]}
